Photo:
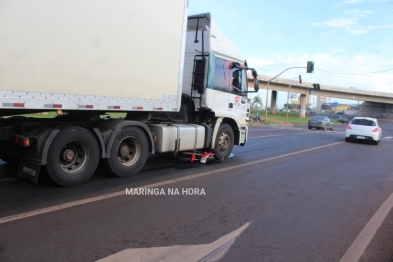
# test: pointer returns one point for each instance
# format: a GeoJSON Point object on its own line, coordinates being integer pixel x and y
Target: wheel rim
{"type": "Point", "coordinates": [74, 157]}
{"type": "Point", "coordinates": [225, 142]}
{"type": "Point", "coordinates": [128, 151]}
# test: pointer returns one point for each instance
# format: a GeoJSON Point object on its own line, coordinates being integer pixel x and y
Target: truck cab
{"type": "Point", "coordinates": [215, 75]}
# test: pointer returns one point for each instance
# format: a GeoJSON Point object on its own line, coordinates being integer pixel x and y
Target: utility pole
{"type": "Point", "coordinates": [267, 90]}
{"type": "Point", "coordinates": [300, 79]}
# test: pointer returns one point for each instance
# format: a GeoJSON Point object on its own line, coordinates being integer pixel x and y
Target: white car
{"type": "Point", "coordinates": [363, 128]}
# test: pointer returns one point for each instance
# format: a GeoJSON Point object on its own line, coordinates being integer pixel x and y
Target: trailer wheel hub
{"type": "Point", "coordinates": [68, 155]}
{"type": "Point", "coordinates": [129, 151]}
{"type": "Point", "coordinates": [124, 150]}
{"type": "Point", "coordinates": [74, 157]}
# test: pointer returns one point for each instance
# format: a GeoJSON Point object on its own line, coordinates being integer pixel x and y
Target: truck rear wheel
{"type": "Point", "coordinates": [73, 156]}
{"type": "Point", "coordinates": [224, 141]}
{"type": "Point", "coordinates": [128, 153]}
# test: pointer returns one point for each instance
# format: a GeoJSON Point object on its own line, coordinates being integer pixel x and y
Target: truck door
{"type": "Point", "coordinates": [227, 97]}
{"type": "Point", "coordinates": [237, 98]}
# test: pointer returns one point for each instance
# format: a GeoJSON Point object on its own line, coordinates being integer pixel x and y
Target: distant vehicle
{"type": "Point", "coordinates": [284, 109]}
{"type": "Point", "coordinates": [344, 120]}
{"type": "Point", "coordinates": [320, 122]}
{"type": "Point", "coordinates": [339, 113]}
{"type": "Point", "coordinates": [363, 128]}
{"type": "Point", "coordinates": [339, 119]}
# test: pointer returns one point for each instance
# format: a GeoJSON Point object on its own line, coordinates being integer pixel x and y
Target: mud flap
{"type": "Point", "coordinates": [29, 170]}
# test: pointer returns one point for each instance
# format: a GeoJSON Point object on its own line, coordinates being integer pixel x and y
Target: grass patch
{"type": "Point", "coordinates": [293, 117]}
{"type": "Point", "coordinates": [270, 122]}
{"type": "Point", "coordinates": [262, 123]}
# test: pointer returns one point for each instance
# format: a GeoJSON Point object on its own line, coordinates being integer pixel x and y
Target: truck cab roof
{"type": "Point", "coordinates": [215, 41]}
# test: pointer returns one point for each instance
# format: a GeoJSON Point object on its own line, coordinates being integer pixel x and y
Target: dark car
{"type": "Point", "coordinates": [344, 120]}
{"type": "Point", "coordinates": [320, 122]}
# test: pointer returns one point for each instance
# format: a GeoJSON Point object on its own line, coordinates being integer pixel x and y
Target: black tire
{"type": "Point", "coordinates": [347, 139]}
{"type": "Point", "coordinates": [224, 141]}
{"type": "Point", "coordinates": [73, 156]}
{"type": "Point", "coordinates": [331, 129]}
{"type": "Point", "coordinates": [376, 142]}
{"type": "Point", "coordinates": [128, 153]}
{"type": "Point", "coordinates": [309, 127]}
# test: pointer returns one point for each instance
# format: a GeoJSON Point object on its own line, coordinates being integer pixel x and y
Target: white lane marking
{"type": "Point", "coordinates": [292, 134]}
{"type": "Point", "coordinates": [207, 252]}
{"type": "Point", "coordinates": [122, 193]}
{"type": "Point", "coordinates": [283, 128]}
{"type": "Point", "coordinates": [360, 244]}
{"type": "Point", "coordinates": [278, 135]}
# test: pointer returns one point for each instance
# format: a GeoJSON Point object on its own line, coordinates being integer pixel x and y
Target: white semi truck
{"type": "Point", "coordinates": [180, 81]}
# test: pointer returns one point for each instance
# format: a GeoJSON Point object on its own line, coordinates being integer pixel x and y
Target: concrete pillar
{"type": "Point", "coordinates": [308, 101]}
{"type": "Point", "coordinates": [303, 106]}
{"type": "Point", "coordinates": [273, 102]}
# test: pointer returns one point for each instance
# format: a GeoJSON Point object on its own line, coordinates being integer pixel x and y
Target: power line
{"type": "Point", "coordinates": [380, 71]}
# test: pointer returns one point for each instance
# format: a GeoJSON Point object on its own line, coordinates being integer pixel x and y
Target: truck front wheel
{"type": "Point", "coordinates": [224, 141]}
{"type": "Point", "coordinates": [128, 153]}
{"type": "Point", "coordinates": [73, 156]}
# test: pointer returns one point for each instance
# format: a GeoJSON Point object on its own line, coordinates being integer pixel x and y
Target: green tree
{"type": "Point", "coordinates": [257, 101]}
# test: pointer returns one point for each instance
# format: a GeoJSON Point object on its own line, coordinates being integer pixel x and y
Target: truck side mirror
{"type": "Point", "coordinates": [254, 73]}
{"type": "Point", "coordinates": [255, 76]}
{"type": "Point", "coordinates": [256, 84]}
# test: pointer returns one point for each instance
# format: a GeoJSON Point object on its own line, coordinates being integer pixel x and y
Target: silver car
{"type": "Point", "coordinates": [320, 122]}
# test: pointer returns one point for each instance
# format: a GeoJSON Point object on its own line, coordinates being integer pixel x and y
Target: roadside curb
{"type": "Point", "coordinates": [385, 120]}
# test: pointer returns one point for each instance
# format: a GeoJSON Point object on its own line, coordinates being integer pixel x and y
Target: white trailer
{"type": "Point", "coordinates": [181, 82]}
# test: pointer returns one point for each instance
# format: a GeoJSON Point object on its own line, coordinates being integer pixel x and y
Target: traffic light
{"type": "Point", "coordinates": [310, 66]}
{"type": "Point", "coordinates": [300, 79]}
{"type": "Point", "coordinates": [316, 86]}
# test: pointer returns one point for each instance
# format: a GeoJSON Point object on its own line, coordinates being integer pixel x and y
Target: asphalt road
{"type": "Point", "coordinates": [290, 194]}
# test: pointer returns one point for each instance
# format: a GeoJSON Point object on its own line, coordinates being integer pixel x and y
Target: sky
{"type": "Point", "coordinates": [350, 41]}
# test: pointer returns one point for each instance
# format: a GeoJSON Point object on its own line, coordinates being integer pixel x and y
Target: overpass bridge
{"type": "Point", "coordinates": [377, 104]}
